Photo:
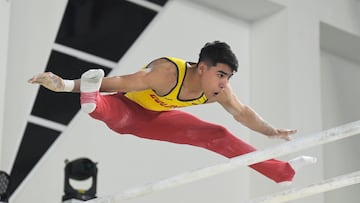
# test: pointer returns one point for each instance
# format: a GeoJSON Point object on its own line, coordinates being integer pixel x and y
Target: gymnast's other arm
{"type": "Point", "coordinates": [248, 117]}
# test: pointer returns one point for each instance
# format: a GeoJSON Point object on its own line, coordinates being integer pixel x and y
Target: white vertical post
{"type": "Point", "coordinates": [4, 36]}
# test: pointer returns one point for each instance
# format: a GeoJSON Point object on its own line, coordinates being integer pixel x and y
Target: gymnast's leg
{"type": "Point", "coordinates": [126, 117]}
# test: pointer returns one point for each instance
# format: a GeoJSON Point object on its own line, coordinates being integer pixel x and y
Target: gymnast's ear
{"type": "Point", "coordinates": [201, 66]}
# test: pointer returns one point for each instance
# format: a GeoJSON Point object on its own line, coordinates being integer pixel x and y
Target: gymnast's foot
{"type": "Point", "coordinates": [302, 161]}
{"type": "Point", "coordinates": [89, 87]}
{"type": "Point", "coordinates": [298, 163]}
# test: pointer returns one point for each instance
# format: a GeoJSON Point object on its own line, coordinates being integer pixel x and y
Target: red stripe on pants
{"type": "Point", "coordinates": [126, 117]}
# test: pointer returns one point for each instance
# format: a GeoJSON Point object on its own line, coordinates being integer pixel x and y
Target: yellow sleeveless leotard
{"type": "Point", "coordinates": [150, 100]}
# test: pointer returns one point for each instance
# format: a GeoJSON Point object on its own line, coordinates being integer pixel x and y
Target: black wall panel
{"type": "Point", "coordinates": [105, 28]}
{"type": "Point", "coordinates": [34, 144]}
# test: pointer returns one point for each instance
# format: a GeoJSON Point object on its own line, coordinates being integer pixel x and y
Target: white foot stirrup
{"type": "Point", "coordinates": [91, 80]}
{"type": "Point", "coordinates": [90, 83]}
{"type": "Point", "coordinates": [302, 161]}
{"type": "Point", "coordinates": [297, 163]}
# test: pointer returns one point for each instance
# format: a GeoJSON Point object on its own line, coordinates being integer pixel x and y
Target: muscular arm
{"type": "Point", "coordinates": [248, 117]}
{"type": "Point", "coordinates": [160, 76]}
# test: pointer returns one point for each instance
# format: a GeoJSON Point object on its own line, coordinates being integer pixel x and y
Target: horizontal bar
{"type": "Point", "coordinates": [315, 188]}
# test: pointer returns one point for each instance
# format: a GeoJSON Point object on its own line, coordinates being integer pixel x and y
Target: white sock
{"type": "Point", "coordinates": [302, 161]}
{"type": "Point", "coordinates": [88, 107]}
{"type": "Point", "coordinates": [297, 163]}
{"type": "Point", "coordinates": [90, 82]}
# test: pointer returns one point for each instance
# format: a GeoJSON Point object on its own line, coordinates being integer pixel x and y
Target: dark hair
{"type": "Point", "coordinates": [218, 52]}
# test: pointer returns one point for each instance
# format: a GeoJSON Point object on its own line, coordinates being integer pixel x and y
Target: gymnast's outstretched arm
{"type": "Point", "coordinates": [56, 83]}
{"type": "Point", "coordinates": [159, 75]}
{"type": "Point", "coordinates": [245, 115]}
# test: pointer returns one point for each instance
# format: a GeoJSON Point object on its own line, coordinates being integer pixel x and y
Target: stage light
{"type": "Point", "coordinates": [80, 170]}
{"type": "Point", "coordinates": [4, 186]}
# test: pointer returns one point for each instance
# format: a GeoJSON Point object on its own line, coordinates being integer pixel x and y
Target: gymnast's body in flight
{"type": "Point", "coordinates": [146, 104]}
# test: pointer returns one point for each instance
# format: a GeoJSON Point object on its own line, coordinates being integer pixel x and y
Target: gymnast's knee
{"type": "Point", "coordinates": [221, 131]}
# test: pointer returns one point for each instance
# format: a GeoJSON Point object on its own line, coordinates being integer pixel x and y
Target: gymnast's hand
{"type": "Point", "coordinates": [283, 134]}
{"type": "Point", "coordinates": [49, 81]}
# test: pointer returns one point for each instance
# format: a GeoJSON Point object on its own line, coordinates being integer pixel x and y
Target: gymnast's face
{"type": "Point", "coordinates": [214, 79]}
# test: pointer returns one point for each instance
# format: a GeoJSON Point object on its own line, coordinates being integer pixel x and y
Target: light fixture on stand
{"type": "Point", "coordinates": [81, 169]}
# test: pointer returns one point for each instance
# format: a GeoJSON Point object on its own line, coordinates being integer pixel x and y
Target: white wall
{"type": "Point", "coordinates": [347, 14]}
{"type": "Point", "coordinates": [340, 95]}
{"type": "Point", "coordinates": [340, 104]}
{"type": "Point", "coordinates": [339, 89]}
{"type": "Point", "coordinates": [4, 36]}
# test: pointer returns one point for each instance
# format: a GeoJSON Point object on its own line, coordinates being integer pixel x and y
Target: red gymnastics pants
{"type": "Point", "coordinates": [126, 117]}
